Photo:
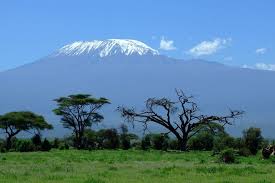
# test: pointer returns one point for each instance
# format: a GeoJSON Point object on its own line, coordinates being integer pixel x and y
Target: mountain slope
{"type": "Point", "coordinates": [130, 79]}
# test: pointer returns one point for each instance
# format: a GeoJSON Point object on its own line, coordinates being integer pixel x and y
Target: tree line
{"type": "Point", "coordinates": [185, 127]}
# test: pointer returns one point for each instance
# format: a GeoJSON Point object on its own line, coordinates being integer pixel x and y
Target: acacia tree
{"type": "Point", "coordinates": [78, 113]}
{"type": "Point", "coordinates": [14, 122]}
{"type": "Point", "coordinates": [181, 117]}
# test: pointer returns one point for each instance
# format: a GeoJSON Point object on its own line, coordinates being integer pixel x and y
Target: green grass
{"type": "Point", "coordinates": [130, 166]}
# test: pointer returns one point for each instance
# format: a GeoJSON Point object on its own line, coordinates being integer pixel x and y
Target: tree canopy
{"type": "Point", "coordinates": [14, 122]}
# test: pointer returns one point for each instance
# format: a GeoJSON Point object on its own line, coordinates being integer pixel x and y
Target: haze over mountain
{"type": "Point", "coordinates": [128, 72]}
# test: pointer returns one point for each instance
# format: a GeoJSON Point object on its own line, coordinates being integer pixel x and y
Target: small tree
{"type": "Point", "coordinates": [253, 139]}
{"type": "Point", "coordinates": [46, 146]}
{"type": "Point", "coordinates": [179, 117]}
{"type": "Point", "coordinates": [125, 139]}
{"type": "Point", "coordinates": [90, 139]}
{"type": "Point", "coordinates": [205, 138]}
{"type": "Point", "coordinates": [78, 113]}
{"type": "Point", "coordinates": [202, 141]}
{"type": "Point", "coordinates": [36, 140]}
{"type": "Point", "coordinates": [56, 143]}
{"type": "Point", "coordinates": [146, 142]}
{"type": "Point", "coordinates": [14, 122]}
{"type": "Point", "coordinates": [108, 138]}
{"type": "Point", "coordinates": [160, 141]}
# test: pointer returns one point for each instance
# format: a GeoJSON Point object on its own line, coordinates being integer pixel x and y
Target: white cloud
{"type": "Point", "coordinates": [261, 66]}
{"type": "Point", "coordinates": [166, 44]}
{"type": "Point", "coordinates": [209, 47]}
{"type": "Point", "coordinates": [261, 51]}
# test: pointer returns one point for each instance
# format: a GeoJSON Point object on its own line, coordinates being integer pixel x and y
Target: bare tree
{"type": "Point", "coordinates": [181, 117]}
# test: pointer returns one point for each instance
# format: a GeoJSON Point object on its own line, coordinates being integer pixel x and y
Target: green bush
{"type": "Point", "coordinates": [244, 152]}
{"type": "Point", "coordinates": [239, 143]}
{"type": "Point", "coordinates": [46, 145]}
{"type": "Point", "coordinates": [160, 141]}
{"type": "Point", "coordinates": [108, 139]}
{"type": "Point", "coordinates": [146, 142]}
{"type": "Point", "coordinates": [125, 141]}
{"type": "Point", "coordinates": [253, 139]}
{"type": "Point", "coordinates": [90, 139]}
{"type": "Point", "coordinates": [24, 145]}
{"type": "Point", "coordinates": [14, 144]}
{"type": "Point", "coordinates": [174, 144]}
{"type": "Point", "coordinates": [36, 140]}
{"type": "Point", "coordinates": [223, 142]}
{"type": "Point", "coordinates": [64, 146]}
{"type": "Point", "coordinates": [56, 143]}
{"type": "Point", "coordinates": [2, 146]}
{"type": "Point", "coordinates": [227, 156]}
{"type": "Point", "coordinates": [202, 141]}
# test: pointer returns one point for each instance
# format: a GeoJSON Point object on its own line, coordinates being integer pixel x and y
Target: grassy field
{"type": "Point", "coordinates": [130, 166]}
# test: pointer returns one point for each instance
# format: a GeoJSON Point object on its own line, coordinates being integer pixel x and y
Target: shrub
{"type": "Point", "coordinates": [253, 139]}
{"type": "Point", "coordinates": [36, 140]}
{"type": "Point", "coordinates": [265, 143]}
{"type": "Point", "coordinates": [239, 143]}
{"type": "Point", "coordinates": [223, 142]}
{"type": "Point", "coordinates": [46, 146]}
{"type": "Point", "coordinates": [244, 152]}
{"type": "Point", "coordinates": [2, 146]}
{"type": "Point", "coordinates": [160, 141]}
{"type": "Point", "coordinates": [227, 156]}
{"type": "Point", "coordinates": [125, 138]}
{"type": "Point", "coordinates": [14, 144]}
{"type": "Point", "coordinates": [125, 141]}
{"type": "Point", "coordinates": [146, 142]}
{"type": "Point", "coordinates": [90, 139]}
{"type": "Point", "coordinates": [56, 143]}
{"type": "Point", "coordinates": [24, 146]}
{"type": "Point", "coordinates": [136, 145]}
{"type": "Point", "coordinates": [64, 146]}
{"type": "Point", "coordinates": [108, 138]}
{"type": "Point", "coordinates": [173, 144]}
{"type": "Point", "coordinates": [202, 141]}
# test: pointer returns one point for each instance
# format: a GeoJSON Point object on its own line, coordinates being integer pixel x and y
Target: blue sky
{"type": "Point", "coordinates": [232, 32]}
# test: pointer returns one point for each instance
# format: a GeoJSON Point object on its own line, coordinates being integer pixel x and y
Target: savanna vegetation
{"type": "Point", "coordinates": [192, 147]}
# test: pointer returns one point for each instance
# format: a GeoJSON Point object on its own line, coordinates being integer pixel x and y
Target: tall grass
{"type": "Point", "coordinates": [118, 166]}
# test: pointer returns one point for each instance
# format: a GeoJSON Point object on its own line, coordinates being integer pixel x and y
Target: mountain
{"type": "Point", "coordinates": [128, 72]}
{"type": "Point", "coordinates": [106, 48]}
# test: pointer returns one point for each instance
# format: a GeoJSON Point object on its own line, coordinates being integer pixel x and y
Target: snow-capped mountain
{"type": "Point", "coordinates": [128, 72]}
{"type": "Point", "coordinates": [106, 48]}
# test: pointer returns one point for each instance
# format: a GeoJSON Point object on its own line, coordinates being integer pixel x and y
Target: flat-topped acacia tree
{"type": "Point", "coordinates": [78, 113]}
{"type": "Point", "coordinates": [14, 122]}
{"type": "Point", "coordinates": [180, 118]}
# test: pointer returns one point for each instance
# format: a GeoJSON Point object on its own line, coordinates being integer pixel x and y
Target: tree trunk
{"type": "Point", "coordinates": [79, 140]}
{"type": "Point", "coordinates": [81, 135]}
{"type": "Point", "coordinates": [182, 144]}
{"type": "Point", "coordinates": [8, 142]}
